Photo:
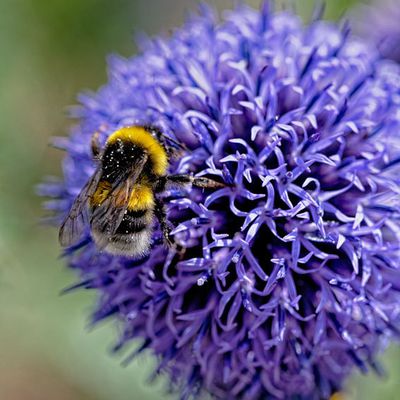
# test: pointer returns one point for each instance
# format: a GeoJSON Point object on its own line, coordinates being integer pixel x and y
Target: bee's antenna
{"type": "Point", "coordinates": [162, 137]}
{"type": "Point", "coordinates": [179, 145]}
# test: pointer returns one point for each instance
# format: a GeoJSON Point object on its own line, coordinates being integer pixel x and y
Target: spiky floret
{"type": "Point", "coordinates": [290, 275]}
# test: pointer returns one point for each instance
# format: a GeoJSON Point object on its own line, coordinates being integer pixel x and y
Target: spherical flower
{"type": "Point", "coordinates": [379, 23]}
{"type": "Point", "coordinates": [290, 275]}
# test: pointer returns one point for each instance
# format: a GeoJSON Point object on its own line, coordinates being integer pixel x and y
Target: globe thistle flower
{"type": "Point", "coordinates": [290, 275]}
{"type": "Point", "coordinates": [379, 23]}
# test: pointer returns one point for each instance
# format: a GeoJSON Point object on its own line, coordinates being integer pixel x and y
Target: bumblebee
{"type": "Point", "coordinates": [122, 198]}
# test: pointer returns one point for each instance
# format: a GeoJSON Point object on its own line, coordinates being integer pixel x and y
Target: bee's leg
{"type": "Point", "coordinates": [203, 182]}
{"type": "Point", "coordinates": [95, 145]}
{"type": "Point", "coordinates": [165, 226]}
{"type": "Point", "coordinates": [161, 215]}
{"type": "Point", "coordinates": [184, 179]}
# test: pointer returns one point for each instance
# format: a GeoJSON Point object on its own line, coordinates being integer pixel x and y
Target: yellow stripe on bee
{"type": "Point", "coordinates": [141, 198]}
{"type": "Point", "coordinates": [139, 136]}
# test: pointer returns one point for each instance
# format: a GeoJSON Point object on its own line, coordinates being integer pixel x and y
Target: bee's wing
{"type": "Point", "coordinates": [108, 216]}
{"type": "Point", "coordinates": [74, 224]}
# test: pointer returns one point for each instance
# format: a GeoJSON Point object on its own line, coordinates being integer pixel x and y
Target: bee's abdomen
{"type": "Point", "coordinates": [135, 221]}
{"type": "Point", "coordinates": [141, 198]}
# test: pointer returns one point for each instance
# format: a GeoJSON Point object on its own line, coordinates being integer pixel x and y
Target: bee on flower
{"type": "Point", "coordinates": [284, 271]}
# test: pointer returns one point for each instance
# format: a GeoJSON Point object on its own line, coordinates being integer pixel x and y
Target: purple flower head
{"type": "Point", "coordinates": [290, 275]}
{"type": "Point", "coordinates": [379, 23]}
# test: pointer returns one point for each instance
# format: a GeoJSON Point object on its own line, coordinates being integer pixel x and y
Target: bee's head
{"type": "Point", "coordinates": [172, 146]}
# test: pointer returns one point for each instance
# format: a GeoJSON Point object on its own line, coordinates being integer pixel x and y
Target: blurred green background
{"type": "Point", "coordinates": [50, 50]}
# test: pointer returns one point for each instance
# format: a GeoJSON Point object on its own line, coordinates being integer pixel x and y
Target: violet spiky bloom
{"type": "Point", "coordinates": [290, 275]}
{"type": "Point", "coordinates": [379, 23]}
